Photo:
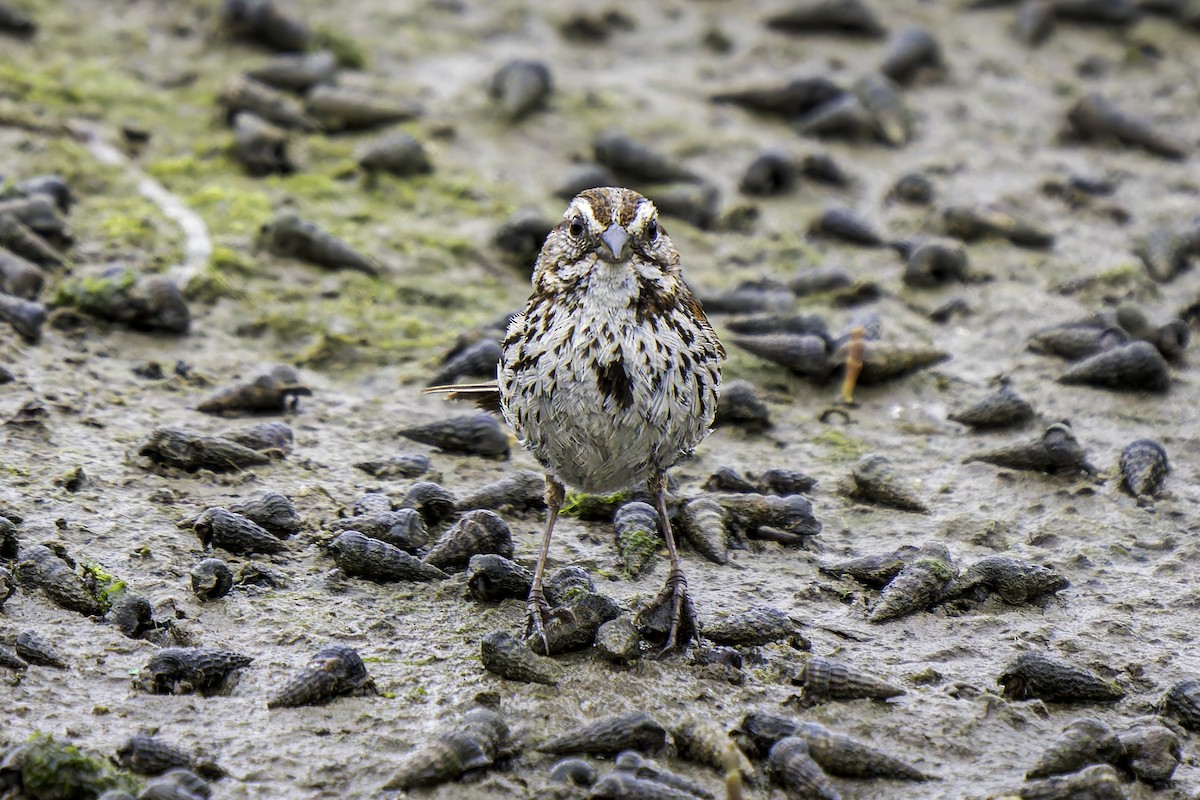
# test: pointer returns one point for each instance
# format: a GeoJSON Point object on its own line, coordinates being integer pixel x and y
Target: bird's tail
{"type": "Point", "coordinates": [485, 395]}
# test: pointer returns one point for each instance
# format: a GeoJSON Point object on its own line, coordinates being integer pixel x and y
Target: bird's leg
{"type": "Point", "coordinates": [854, 363]}
{"type": "Point", "coordinates": [675, 589]}
{"type": "Point", "coordinates": [536, 607]}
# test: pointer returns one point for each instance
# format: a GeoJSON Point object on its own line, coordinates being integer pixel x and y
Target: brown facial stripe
{"type": "Point", "coordinates": [630, 201]}
{"type": "Point", "coordinates": [613, 381]}
{"type": "Point", "coordinates": [604, 201]}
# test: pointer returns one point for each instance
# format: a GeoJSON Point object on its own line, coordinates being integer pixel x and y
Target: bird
{"type": "Point", "coordinates": [610, 375]}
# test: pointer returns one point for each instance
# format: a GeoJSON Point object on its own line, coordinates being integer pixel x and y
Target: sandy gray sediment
{"type": "Point", "coordinates": [986, 132]}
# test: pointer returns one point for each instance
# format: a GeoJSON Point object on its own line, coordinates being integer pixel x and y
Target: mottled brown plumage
{"type": "Point", "coordinates": [610, 375]}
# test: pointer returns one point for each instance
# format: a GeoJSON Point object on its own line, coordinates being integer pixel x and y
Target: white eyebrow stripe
{"type": "Point", "coordinates": [645, 213]}
{"type": "Point", "coordinates": [584, 209]}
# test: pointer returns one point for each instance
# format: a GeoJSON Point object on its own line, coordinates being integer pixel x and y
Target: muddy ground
{"type": "Point", "coordinates": [986, 131]}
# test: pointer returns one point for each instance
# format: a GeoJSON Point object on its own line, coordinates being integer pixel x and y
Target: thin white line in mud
{"type": "Point", "coordinates": [197, 246]}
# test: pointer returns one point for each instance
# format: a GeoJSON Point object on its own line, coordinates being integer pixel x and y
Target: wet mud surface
{"type": "Point", "coordinates": [987, 130]}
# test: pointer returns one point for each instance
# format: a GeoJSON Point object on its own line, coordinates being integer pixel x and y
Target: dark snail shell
{"type": "Point", "coordinates": [273, 511]}
{"type": "Point", "coordinates": [335, 670]}
{"type": "Point", "coordinates": [794, 768]}
{"type": "Point", "coordinates": [492, 577]}
{"type": "Point", "coordinates": [838, 754]}
{"type": "Point", "coordinates": [1144, 467]}
{"type": "Point", "coordinates": [505, 655]}
{"type": "Point", "coordinates": [36, 649]}
{"type": "Point", "coordinates": [1085, 741]}
{"type": "Point", "coordinates": [921, 583]}
{"type": "Point", "coordinates": [471, 744]}
{"type": "Point", "coordinates": [212, 579]}
{"type": "Point", "coordinates": [1038, 675]}
{"type": "Point", "coordinates": [607, 737]}
{"type": "Point", "coordinates": [823, 680]}
{"type": "Point", "coordinates": [175, 670]}
{"type": "Point", "coordinates": [219, 527]}
{"type": "Point", "coordinates": [363, 557]}
{"type": "Point", "coordinates": [475, 533]}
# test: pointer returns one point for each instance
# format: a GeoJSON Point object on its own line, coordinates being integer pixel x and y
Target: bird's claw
{"type": "Point", "coordinates": [675, 591]}
{"type": "Point", "coordinates": [537, 616]}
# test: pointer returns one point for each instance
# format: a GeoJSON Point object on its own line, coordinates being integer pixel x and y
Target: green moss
{"type": "Point", "coordinates": [209, 285]}
{"type": "Point", "coordinates": [108, 586]}
{"type": "Point", "coordinates": [83, 85]}
{"type": "Point", "coordinates": [939, 568]}
{"type": "Point", "coordinates": [78, 167]}
{"type": "Point", "coordinates": [309, 186]}
{"type": "Point", "coordinates": [178, 167]}
{"type": "Point", "coordinates": [129, 223]}
{"type": "Point", "coordinates": [227, 209]}
{"type": "Point", "coordinates": [840, 445]}
{"type": "Point", "coordinates": [349, 53]}
{"type": "Point", "coordinates": [457, 248]}
{"type": "Point", "coordinates": [56, 771]}
{"type": "Point", "coordinates": [417, 694]}
{"type": "Point", "coordinates": [593, 506]}
{"type": "Point", "coordinates": [328, 148]}
{"type": "Point", "coordinates": [637, 549]}
{"type": "Point", "coordinates": [332, 351]}
{"type": "Point", "coordinates": [94, 294]}
{"type": "Point", "coordinates": [444, 196]}
{"type": "Point", "coordinates": [227, 261]}
{"type": "Point", "coordinates": [1120, 275]}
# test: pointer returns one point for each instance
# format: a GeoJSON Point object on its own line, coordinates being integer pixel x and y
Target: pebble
{"type": "Point", "coordinates": [617, 640]}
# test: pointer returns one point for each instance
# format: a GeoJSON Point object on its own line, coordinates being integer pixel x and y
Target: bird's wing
{"type": "Point", "coordinates": [697, 310]}
{"type": "Point", "coordinates": [485, 395]}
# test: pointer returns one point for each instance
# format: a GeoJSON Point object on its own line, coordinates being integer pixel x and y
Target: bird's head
{"type": "Point", "coordinates": [607, 226]}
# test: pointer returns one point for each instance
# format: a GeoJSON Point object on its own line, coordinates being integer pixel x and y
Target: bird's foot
{"type": "Point", "coordinates": [537, 617]}
{"type": "Point", "coordinates": [673, 607]}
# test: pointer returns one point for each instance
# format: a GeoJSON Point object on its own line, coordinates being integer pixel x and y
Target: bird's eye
{"type": "Point", "coordinates": [652, 230]}
{"type": "Point", "coordinates": [576, 227]}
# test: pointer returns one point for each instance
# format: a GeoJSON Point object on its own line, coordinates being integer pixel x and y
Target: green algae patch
{"type": "Point", "coordinates": [209, 286]}
{"type": "Point", "coordinates": [229, 210]}
{"type": "Point", "coordinates": [432, 243]}
{"type": "Point", "coordinates": [132, 224]}
{"type": "Point", "coordinates": [94, 294]}
{"type": "Point", "coordinates": [126, 226]}
{"type": "Point", "coordinates": [593, 506]}
{"type": "Point", "coordinates": [107, 586]}
{"type": "Point", "coordinates": [841, 446]}
{"type": "Point", "coordinates": [310, 186]}
{"type": "Point", "coordinates": [85, 86]}
{"type": "Point", "coordinates": [226, 261]}
{"type": "Point", "coordinates": [171, 169]}
{"type": "Point", "coordinates": [637, 549]}
{"type": "Point", "coordinates": [347, 50]}
{"type": "Point", "coordinates": [54, 770]}
{"type": "Point", "coordinates": [78, 167]}
{"type": "Point", "coordinates": [442, 196]}
{"type": "Point", "coordinates": [329, 148]}
{"type": "Point", "coordinates": [333, 351]}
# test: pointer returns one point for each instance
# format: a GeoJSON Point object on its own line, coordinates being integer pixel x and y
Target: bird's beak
{"type": "Point", "coordinates": [616, 239]}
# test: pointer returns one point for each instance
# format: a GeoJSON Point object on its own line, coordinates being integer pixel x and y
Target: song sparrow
{"type": "Point", "coordinates": [610, 374]}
